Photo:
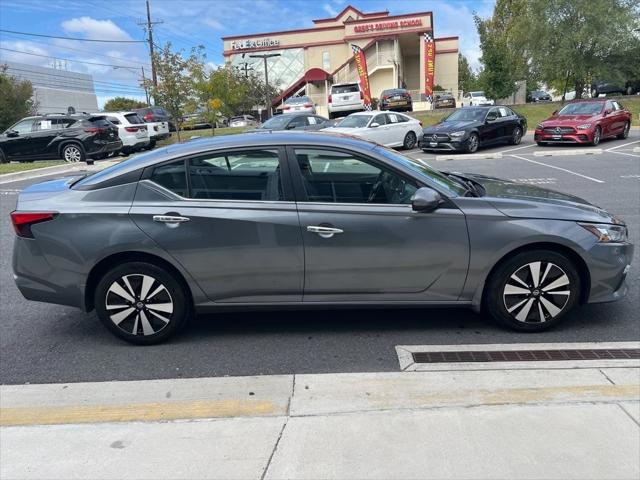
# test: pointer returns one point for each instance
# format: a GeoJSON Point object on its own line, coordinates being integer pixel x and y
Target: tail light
{"type": "Point", "coordinates": [148, 117]}
{"type": "Point", "coordinates": [286, 107]}
{"type": "Point", "coordinates": [420, 122]}
{"type": "Point", "coordinates": [22, 221]}
{"type": "Point", "coordinates": [307, 105]}
{"type": "Point", "coordinates": [329, 99]}
{"type": "Point", "coordinates": [131, 129]}
{"type": "Point", "coordinates": [93, 130]}
{"type": "Point", "coordinates": [361, 95]}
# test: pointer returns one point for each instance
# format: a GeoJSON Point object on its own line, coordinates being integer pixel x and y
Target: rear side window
{"type": "Point", "coordinates": [114, 120]}
{"type": "Point", "coordinates": [100, 122]}
{"type": "Point", "coordinates": [345, 88]}
{"type": "Point", "coordinates": [172, 176]}
{"type": "Point", "coordinates": [133, 118]}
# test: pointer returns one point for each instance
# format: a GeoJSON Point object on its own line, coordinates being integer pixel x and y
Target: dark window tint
{"type": "Point", "coordinates": [134, 118]}
{"type": "Point", "coordinates": [172, 177]}
{"type": "Point", "coordinates": [100, 122]}
{"type": "Point", "coordinates": [251, 175]}
{"type": "Point", "coordinates": [114, 120]}
{"type": "Point", "coordinates": [345, 88]}
{"type": "Point", "coordinates": [336, 177]}
{"type": "Point", "coordinates": [297, 122]}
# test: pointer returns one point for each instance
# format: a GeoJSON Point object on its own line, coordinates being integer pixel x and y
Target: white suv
{"type": "Point", "coordinates": [475, 99]}
{"type": "Point", "coordinates": [345, 97]}
{"type": "Point", "coordinates": [132, 130]}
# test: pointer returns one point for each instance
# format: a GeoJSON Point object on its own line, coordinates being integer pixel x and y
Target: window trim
{"type": "Point", "coordinates": [301, 197]}
{"type": "Point", "coordinates": [285, 176]}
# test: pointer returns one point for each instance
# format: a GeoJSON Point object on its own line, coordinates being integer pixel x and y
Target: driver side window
{"type": "Point", "coordinates": [23, 127]}
{"type": "Point", "coordinates": [380, 119]}
{"type": "Point", "coordinates": [336, 177]}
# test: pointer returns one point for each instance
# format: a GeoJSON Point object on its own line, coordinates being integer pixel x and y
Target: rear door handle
{"type": "Point", "coordinates": [324, 232]}
{"type": "Point", "coordinates": [170, 219]}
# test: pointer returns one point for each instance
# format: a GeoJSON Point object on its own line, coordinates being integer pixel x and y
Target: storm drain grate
{"type": "Point", "coordinates": [527, 355]}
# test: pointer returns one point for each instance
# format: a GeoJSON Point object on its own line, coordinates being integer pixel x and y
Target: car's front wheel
{"type": "Point", "coordinates": [625, 131]}
{"type": "Point", "coordinates": [73, 153]}
{"type": "Point", "coordinates": [3, 158]}
{"type": "Point", "coordinates": [472, 143]}
{"type": "Point", "coordinates": [141, 303]}
{"type": "Point", "coordinates": [532, 291]}
{"type": "Point", "coordinates": [596, 136]}
{"type": "Point", "coordinates": [410, 140]}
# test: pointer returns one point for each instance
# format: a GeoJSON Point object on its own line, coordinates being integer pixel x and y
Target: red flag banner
{"type": "Point", "coordinates": [361, 65]}
{"type": "Point", "coordinates": [429, 65]}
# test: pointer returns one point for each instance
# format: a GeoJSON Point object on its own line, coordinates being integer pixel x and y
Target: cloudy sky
{"type": "Point", "coordinates": [186, 23]}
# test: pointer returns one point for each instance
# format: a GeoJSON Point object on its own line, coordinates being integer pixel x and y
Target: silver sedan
{"type": "Point", "coordinates": [307, 220]}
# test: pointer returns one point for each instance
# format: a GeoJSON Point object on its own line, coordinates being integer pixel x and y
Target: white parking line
{"type": "Point", "coordinates": [628, 154]}
{"type": "Point", "coordinates": [558, 168]}
{"type": "Point", "coordinates": [623, 145]}
{"type": "Point", "coordinates": [563, 153]}
{"type": "Point", "coordinates": [469, 156]}
{"type": "Point", "coordinates": [636, 149]}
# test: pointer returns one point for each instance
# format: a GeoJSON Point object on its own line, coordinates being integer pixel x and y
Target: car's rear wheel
{"type": "Point", "coordinates": [410, 140]}
{"type": "Point", "coordinates": [141, 303]}
{"type": "Point", "coordinates": [532, 291]}
{"type": "Point", "coordinates": [3, 158]}
{"type": "Point", "coordinates": [73, 153]}
{"type": "Point", "coordinates": [597, 134]}
{"type": "Point", "coordinates": [472, 143]}
{"type": "Point", "coordinates": [516, 137]}
{"type": "Point", "coordinates": [625, 131]}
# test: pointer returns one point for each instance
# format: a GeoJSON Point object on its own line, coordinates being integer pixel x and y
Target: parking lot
{"type": "Point", "coordinates": [43, 343]}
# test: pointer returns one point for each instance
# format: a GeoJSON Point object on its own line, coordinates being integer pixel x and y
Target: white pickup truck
{"type": "Point", "coordinates": [157, 131]}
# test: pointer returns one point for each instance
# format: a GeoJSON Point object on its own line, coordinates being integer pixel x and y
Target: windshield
{"type": "Point", "coordinates": [450, 186]}
{"type": "Point", "coordinates": [581, 108]}
{"type": "Point", "coordinates": [477, 94]}
{"type": "Point", "coordinates": [276, 123]}
{"type": "Point", "coordinates": [355, 121]}
{"type": "Point", "coordinates": [294, 100]}
{"type": "Point", "coordinates": [467, 115]}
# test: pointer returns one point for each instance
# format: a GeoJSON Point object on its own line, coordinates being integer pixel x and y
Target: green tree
{"type": "Point", "coordinates": [583, 40]}
{"type": "Point", "coordinates": [177, 77]}
{"type": "Point", "coordinates": [467, 80]}
{"type": "Point", "coordinates": [15, 100]}
{"type": "Point", "coordinates": [122, 103]}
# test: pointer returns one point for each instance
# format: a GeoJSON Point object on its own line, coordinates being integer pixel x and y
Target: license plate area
{"type": "Point", "coordinates": [556, 137]}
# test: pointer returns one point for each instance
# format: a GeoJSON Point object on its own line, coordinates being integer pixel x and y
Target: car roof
{"type": "Point", "coordinates": [241, 140]}
{"type": "Point", "coordinates": [590, 100]}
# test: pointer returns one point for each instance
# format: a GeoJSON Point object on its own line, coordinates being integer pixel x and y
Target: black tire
{"type": "Point", "coordinates": [506, 301]}
{"type": "Point", "coordinates": [331, 116]}
{"type": "Point", "coordinates": [597, 136]}
{"type": "Point", "coordinates": [473, 142]}
{"type": "Point", "coordinates": [516, 137]}
{"type": "Point", "coordinates": [152, 144]}
{"type": "Point", "coordinates": [3, 158]}
{"type": "Point", "coordinates": [410, 141]}
{"type": "Point", "coordinates": [625, 131]}
{"type": "Point", "coordinates": [73, 153]}
{"type": "Point", "coordinates": [136, 312]}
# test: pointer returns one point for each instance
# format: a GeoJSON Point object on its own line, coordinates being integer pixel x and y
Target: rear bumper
{"type": "Point", "coordinates": [352, 107]}
{"type": "Point", "coordinates": [105, 147]}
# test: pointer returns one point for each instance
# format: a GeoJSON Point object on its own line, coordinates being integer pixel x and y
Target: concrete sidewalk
{"type": "Point", "coordinates": [519, 424]}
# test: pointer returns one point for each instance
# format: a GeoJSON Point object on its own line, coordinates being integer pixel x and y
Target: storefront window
{"type": "Point", "coordinates": [283, 70]}
{"type": "Point", "coordinates": [326, 61]}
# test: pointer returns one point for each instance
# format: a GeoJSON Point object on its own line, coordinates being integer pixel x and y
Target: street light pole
{"type": "Point", "coordinates": [266, 79]}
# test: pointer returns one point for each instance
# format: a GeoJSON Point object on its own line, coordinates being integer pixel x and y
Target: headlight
{"type": "Point", "coordinates": [459, 134]}
{"type": "Point", "coordinates": [584, 126]}
{"type": "Point", "coordinates": [539, 126]}
{"type": "Point", "coordinates": [607, 233]}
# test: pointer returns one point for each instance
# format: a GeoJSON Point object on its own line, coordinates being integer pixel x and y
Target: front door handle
{"type": "Point", "coordinates": [170, 219]}
{"type": "Point", "coordinates": [324, 232]}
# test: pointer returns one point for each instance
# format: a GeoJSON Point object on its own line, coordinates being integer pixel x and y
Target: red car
{"type": "Point", "coordinates": [585, 121]}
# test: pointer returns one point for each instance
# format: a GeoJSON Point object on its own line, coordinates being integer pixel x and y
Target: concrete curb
{"type": "Point", "coordinates": [43, 172]}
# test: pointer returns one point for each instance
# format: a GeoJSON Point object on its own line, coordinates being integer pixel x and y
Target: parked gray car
{"type": "Point", "coordinates": [307, 220]}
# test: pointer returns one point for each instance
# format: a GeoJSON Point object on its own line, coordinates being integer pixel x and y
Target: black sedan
{"type": "Point", "coordinates": [539, 96]}
{"type": "Point", "coordinates": [468, 128]}
{"type": "Point", "coordinates": [295, 121]}
{"type": "Point", "coordinates": [444, 100]}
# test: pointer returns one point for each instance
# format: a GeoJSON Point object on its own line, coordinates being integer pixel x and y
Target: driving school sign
{"type": "Point", "coordinates": [363, 75]}
{"type": "Point", "coordinates": [429, 66]}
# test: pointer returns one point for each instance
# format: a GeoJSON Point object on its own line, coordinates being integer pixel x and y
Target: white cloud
{"type": "Point", "coordinates": [329, 9]}
{"type": "Point", "coordinates": [96, 29]}
{"type": "Point", "coordinates": [213, 23]}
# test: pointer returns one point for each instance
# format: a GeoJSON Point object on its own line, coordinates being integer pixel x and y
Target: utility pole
{"type": "Point", "coordinates": [148, 26]}
{"type": "Point", "coordinates": [144, 82]}
{"type": "Point", "coordinates": [245, 68]}
{"type": "Point", "coordinates": [267, 100]}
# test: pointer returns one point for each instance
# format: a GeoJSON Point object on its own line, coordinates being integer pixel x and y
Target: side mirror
{"type": "Point", "coordinates": [12, 133]}
{"type": "Point", "coordinates": [425, 200]}
{"type": "Point", "coordinates": [607, 112]}
{"type": "Point", "coordinates": [555, 112]}
{"type": "Point", "coordinates": [374, 125]}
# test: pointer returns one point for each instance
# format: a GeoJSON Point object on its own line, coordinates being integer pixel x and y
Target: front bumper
{"type": "Point", "coordinates": [579, 136]}
{"type": "Point", "coordinates": [609, 265]}
{"type": "Point", "coordinates": [427, 143]}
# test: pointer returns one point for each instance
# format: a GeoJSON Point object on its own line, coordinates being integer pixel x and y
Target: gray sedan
{"type": "Point", "coordinates": [307, 220]}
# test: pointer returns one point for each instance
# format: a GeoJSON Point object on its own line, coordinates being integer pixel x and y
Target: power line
{"type": "Point", "coordinates": [87, 51]}
{"type": "Point", "coordinates": [61, 58]}
{"type": "Point", "coordinates": [79, 80]}
{"type": "Point", "coordinates": [72, 38]}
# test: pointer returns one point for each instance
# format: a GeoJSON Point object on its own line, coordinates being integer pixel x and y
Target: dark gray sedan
{"type": "Point", "coordinates": [307, 220]}
{"type": "Point", "coordinates": [295, 121]}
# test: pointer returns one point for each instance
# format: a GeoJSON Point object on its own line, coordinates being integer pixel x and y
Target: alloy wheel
{"type": "Point", "coordinates": [473, 143]}
{"type": "Point", "coordinates": [410, 141]}
{"type": "Point", "coordinates": [596, 136]}
{"type": "Point", "coordinates": [536, 292]}
{"type": "Point", "coordinates": [517, 136]}
{"type": "Point", "coordinates": [139, 304]}
{"type": "Point", "coordinates": [625, 132]}
{"type": "Point", "coordinates": [72, 154]}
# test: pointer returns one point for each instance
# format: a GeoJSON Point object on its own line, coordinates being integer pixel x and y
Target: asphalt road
{"type": "Point", "coordinates": [42, 343]}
